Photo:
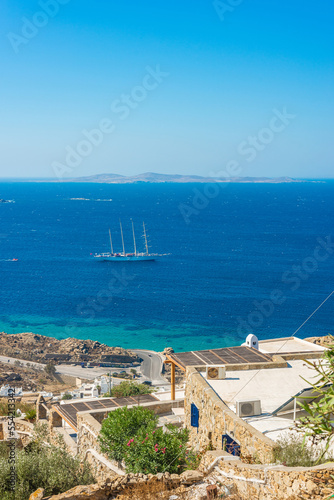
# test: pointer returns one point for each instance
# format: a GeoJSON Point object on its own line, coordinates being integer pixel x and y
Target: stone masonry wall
{"type": "Point", "coordinates": [159, 408]}
{"type": "Point", "coordinates": [89, 426]}
{"type": "Point", "coordinates": [216, 419]}
{"type": "Point", "coordinates": [258, 482]}
{"type": "Point", "coordinates": [88, 432]}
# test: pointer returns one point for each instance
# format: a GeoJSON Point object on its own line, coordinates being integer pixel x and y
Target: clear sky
{"type": "Point", "coordinates": [172, 87]}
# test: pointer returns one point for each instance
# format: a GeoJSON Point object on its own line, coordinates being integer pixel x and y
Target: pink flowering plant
{"type": "Point", "coordinates": [131, 435]}
{"type": "Point", "coordinates": [157, 451]}
{"type": "Point", "coordinates": [121, 427]}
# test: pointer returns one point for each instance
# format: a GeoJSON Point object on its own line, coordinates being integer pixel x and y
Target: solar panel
{"type": "Point", "coordinates": [94, 405]}
{"type": "Point", "coordinates": [226, 356]}
{"type": "Point", "coordinates": [80, 406]}
{"type": "Point", "coordinates": [108, 403]}
{"type": "Point", "coordinates": [69, 411]}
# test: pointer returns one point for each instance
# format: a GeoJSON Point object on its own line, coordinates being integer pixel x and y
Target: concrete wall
{"type": "Point", "coordinates": [216, 419]}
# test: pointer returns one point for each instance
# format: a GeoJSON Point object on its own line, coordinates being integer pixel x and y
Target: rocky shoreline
{"type": "Point", "coordinates": [42, 349]}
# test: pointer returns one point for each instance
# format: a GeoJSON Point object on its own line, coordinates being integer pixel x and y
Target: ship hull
{"type": "Point", "coordinates": [124, 258]}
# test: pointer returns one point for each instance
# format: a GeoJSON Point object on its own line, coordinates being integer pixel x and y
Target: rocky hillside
{"type": "Point", "coordinates": [325, 341]}
{"type": "Point", "coordinates": [153, 177]}
{"type": "Point", "coordinates": [43, 349]}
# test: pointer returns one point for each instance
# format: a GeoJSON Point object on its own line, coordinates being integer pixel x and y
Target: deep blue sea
{"type": "Point", "coordinates": [245, 259]}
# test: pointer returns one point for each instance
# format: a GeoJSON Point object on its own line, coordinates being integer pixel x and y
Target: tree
{"type": "Point", "coordinates": [319, 422]}
{"type": "Point", "coordinates": [67, 396]}
{"type": "Point", "coordinates": [50, 369]}
{"type": "Point", "coordinates": [128, 388]}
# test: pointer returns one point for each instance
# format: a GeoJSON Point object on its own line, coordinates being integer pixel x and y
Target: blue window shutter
{"type": "Point", "coordinates": [232, 446]}
{"type": "Point", "coordinates": [194, 415]}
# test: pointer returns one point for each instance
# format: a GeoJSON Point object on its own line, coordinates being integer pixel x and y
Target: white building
{"type": "Point", "coordinates": [104, 383]}
{"type": "Point", "coordinates": [6, 390]}
{"type": "Point", "coordinates": [85, 391]}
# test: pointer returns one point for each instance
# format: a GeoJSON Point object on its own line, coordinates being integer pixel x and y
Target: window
{"type": "Point", "coordinates": [231, 446]}
{"type": "Point", "coordinates": [194, 415]}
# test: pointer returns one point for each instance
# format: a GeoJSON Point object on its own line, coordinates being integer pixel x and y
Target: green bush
{"type": "Point", "coordinates": [50, 369]}
{"type": "Point", "coordinates": [30, 414]}
{"type": "Point", "coordinates": [40, 466]}
{"type": "Point", "coordinates": [125, 389]}
{"type": "Point", "coordinates": [121, 425]}
{"type": "Point", "coordinates": [24, 407]}
{"type": "Point", "coordinates": [67, 396]}
{"type": "Point", "coordinates": [132, 435]}
{"type": "Point", "coordinates": [291, 452]}
{"type": "Point", "coordinates": [157, 451]}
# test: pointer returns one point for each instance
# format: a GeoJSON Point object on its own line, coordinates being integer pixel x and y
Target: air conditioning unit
{"type": "Point", "coordinates": [248, 408]}
{"type": "Point", "coordinates": [215, 372]}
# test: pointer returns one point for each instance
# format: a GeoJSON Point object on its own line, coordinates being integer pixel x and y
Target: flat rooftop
{"type": "Point", "coordinates": [166, 395]}
{"type": "Point", "coordinates": [273, 387]}
{"type": "Point", "coordinates": [288, 345]}
{"type": "Point", "coordinates": [276, 388]}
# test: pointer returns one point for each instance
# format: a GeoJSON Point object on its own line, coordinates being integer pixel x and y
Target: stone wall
{"type": "Point", "coordinates": [89, 426]}
{"type": "Point", "coordinates": [2, 422]}
{"type": "Point", "coordinates": [260, 482]}
{"type": "Point", "coordinates": [216, 419]}
{"type": "Point", "coordinates": [126, 486]}
{"type": "Point", "coordinates": [89, 448]}
{"type": "Point", "coordinates": [158, 407]}
{"type": "Point", "coordinates": [23, 429]}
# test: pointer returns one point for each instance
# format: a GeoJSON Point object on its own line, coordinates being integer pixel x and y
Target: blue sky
{"type": "Point", "coordinates": [199, 84]}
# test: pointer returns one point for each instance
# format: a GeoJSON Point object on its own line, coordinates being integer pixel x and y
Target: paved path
{"type": "Point", "coordinates": [24, 362]}
{"type": "Point", "coordinates": [77, 371]}
{"type": "Point", "coordinates": [151, 366]}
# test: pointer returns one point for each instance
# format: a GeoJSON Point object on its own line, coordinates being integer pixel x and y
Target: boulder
{"type": "Point", "coordinates": [13, 376]}
{"type": "Point", "coordinates": [175, 479]}
{"type": "Point", "coordinates": [90, 492]}
{"type": "Point", "coordinates": [191, 476]}
{"type": "Point", "coordinates": [37, 495]}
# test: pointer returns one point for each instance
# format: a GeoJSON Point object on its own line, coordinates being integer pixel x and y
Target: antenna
{"type": "Point", "coordinates": [134, 238]}
{"type": "Point", "coordinates": [122, 237]}
{"type": "Point", "coordinates": [112, 251]}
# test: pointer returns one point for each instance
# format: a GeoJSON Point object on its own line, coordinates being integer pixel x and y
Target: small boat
{"type": "Point", "coordinates": [121, 257]}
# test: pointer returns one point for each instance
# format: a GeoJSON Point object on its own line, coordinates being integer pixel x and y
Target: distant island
{"type": "Point", "coordinates": [152, 177]}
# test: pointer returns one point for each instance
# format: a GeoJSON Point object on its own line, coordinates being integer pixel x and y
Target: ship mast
{"type": "Point", "coordinates": [145, 238]}
{"type": "Point", "coordinates": [134, 238]}
{"type": "Point", "coordinates": [112, 251]}
{"type": "Point", "coordinates": [122, 237]}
